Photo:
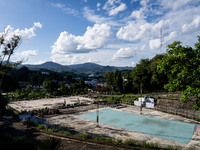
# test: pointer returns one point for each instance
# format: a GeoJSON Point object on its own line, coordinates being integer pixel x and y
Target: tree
{"type": "Point", "coordinates": [7, 47]}
{"type": "Point", "coordinates": [142, 76]}
{"type": "Point", "coordinates": [50, 86]}
{"type": "Point", "coordinates": [118, 81]}
{"type": "Point", "coordinates": [109, 76]}
{"type": "Point", "coordinates": [181, 65]}
{"type": "Point", "coordinates": [158, 79]}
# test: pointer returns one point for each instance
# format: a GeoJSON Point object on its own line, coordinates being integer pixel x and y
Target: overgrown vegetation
{"type": "Point", "coordinates": [120, 99]}
{"type": "Point", "coordinates": [9, 142]}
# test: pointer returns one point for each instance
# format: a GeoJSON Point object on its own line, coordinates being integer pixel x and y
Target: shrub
{"type": "Point", "coordinates": [100, 138]}
{"type": "Point", "coordinates": [118, 141]}
{"type": "Point", "coordinates": [85, 135]}
{"type": "Point", "coordinates": [51, 144]}
{"type": "Point", "coordinates": [130, 142]}
{"type": "Point", "coordinates": [52, 130]}
{"type": "Point", "coordinates": [65, 132]}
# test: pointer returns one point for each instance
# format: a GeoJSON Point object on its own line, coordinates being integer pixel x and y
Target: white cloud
{"type": "Point", "coordinates": [116, 10]}
{"type": "Point", "coordinates": [65, 9]}
{"type": "Point", "coordinates": [25, 34]}
{"type": "Point", "coordinates": [112, 8]}
{"type": "Point", "coordinates": [174, 4]}
{"type": "Point", "coordinates": [93, 60]}
{"type": "Point", "coordinates": [94, 18]}
{"type": "Point", "coordinates": [124, 53]}
{"type": "Point", "coordinates": [141, 28]}
{"type": "Point", "coordinates": [191, 26]}
{"type": "Point", "coordinates": [138, 14]}
{"type": "Point", "coordinates": [98, 6]}
{"type": "Point", "coordinates": [134, 31]}
{"type": "Point", "coordinates": [170, 37]}
{"type": "Point", "coordinates": [29, 53]}
{"type": "Point", "coordinates": [94, 38]}
{"type": "Point", "coordinates": [154, 44]}
{"type": "Point", "coordinates": [91, 16]}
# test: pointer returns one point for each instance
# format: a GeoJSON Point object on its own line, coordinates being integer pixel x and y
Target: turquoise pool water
{"type": "Point", "coordinates": [167, 129]}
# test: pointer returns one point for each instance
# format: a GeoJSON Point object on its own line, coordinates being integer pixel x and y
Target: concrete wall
{"type": "Point", "coordinates": [176, 107]}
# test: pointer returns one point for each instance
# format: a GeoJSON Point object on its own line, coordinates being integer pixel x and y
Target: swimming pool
{"type": "Point", "coordinates": [172, 130]}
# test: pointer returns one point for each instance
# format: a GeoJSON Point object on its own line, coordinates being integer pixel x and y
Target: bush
{"type": "Point", "coordinates": [118, 141]}
{"type": "Point", "coordinates": [3, 101]}
{"type": "Point", "coordinates": [85, 135]}
{"type": "Point", "coordinates": [130, 142]}
{"type": "Point", "coordinates": [100, 138]}
{"type": "Point", "coordinates": [52, 130]}
{"type": "Point", "coordinates": [65, 132]}
{"type": "Point", "coordinates": [40, 126]}
{"type": "Point", "coordinates": [51, 144]}
{"type": "Point", "coordinates": [9, 142]}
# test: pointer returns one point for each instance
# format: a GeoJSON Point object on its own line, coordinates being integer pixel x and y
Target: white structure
{"type": "Point", "coordinates": [148, 102]}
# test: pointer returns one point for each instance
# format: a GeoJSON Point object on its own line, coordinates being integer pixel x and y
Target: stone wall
{"type": "Point", "coordinates": [176, 107]}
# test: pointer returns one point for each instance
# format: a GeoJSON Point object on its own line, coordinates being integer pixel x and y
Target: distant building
{"type": "Point", "coordinates": [44, 72]}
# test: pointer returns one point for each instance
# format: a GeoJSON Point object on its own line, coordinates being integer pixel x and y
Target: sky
{"type": "Point", "coordinates": [106, 32]}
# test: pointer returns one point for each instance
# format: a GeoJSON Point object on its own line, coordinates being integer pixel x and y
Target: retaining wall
{"type": "Point", "coordinates": [176, 107]}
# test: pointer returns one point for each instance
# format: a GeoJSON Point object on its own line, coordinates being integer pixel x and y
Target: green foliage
{"type": "Point", "coordinates": [52, 130]}
{"type": "Point", "coordinates": [130, 142]}
{"type": "Point", "coordinates": [65, 132]}
{"type": "Point", "coordinates": [50, 86]}
{"type": "Point", "coordinates": [114, 80]}
{"type": "Point", "coordinates": [7, 48]}
{"type": "Point", "coordinates": [3, 100]}
{"type": "Point", "coordinates": [100, 138]}
{"type": "Point", "coordinates": [142, 79]}
{"type": "Point", "coordinates": [181, 65]}
{"type": "Point", "coordinates": [118, 141]}
{"type": "Point", "coordinates": [51, 144]}
{"type": "Point", "coordinates": [122, 99]}
{"type": "Point", "coordinates": [149, 145]}
{"type": "Point", "coordinates": [30, 123]}
{"type": "Point", "coordinates": [10, 142]}
{"type": "Point", "coordinates": [40, 126]}
{"type": "Point", "coordinates": [85, 135]}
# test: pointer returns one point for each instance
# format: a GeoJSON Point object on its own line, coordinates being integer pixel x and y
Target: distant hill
{"type": "Point", "coordinates": [49, 66]}
{"type": "Point", "coordinates": [87, 68]}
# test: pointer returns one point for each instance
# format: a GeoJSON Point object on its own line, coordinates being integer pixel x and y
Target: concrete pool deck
{"type": "Point", "coordinates": [74, 122]}
{"type": "Point", "coordinates": [86, 126]}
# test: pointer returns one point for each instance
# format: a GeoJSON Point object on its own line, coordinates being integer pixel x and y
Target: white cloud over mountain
{"type": "Point", "coordinates": [140, 30]}
{"type": "Point", "coordinates": [126, 52]}
{"type": "Point", "coordinates": [94, 38]}
{"type": "Point", "coordinates": [29, 53]}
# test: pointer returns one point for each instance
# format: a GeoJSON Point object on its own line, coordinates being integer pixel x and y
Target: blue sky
{"type": "Point", "coordinates": [106, 32]}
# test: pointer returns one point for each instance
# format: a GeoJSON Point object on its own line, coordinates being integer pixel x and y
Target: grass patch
{"type": "Point", "coordinates": [65, 132]}
{"type": "Point", "coordinates": [149, 145]}
{"type": "Point", "coordinates": [130, 142]}
{"type": "Point", "coordinates": [51, 144]}
{"type": "Point", "coordinates": [84, 135]}
{"type": "Point", "coordinates": [52, 130]}
{"type": "Point", "coordinates": [118, 141]}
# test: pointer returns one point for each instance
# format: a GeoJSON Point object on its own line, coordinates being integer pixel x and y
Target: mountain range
{"type": "Point", "coordinates": [87, 68]}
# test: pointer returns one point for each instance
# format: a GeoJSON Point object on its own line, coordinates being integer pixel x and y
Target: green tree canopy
{"type": "Point", "coordinates": [182, 66]}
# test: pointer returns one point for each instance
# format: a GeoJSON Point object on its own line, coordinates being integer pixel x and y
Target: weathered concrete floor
{"type": "Point", "coordinates": [70, 119]}
{"type": "Point", "coordinates": [74, 122]}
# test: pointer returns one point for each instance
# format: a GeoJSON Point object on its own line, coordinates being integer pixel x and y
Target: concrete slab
{"type": "Point", "coordinates": [73, 121]}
